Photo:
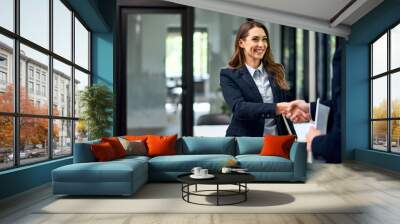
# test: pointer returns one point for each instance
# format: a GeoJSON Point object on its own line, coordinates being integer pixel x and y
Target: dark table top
{"type": "Point", "coordinates": [220, 178]}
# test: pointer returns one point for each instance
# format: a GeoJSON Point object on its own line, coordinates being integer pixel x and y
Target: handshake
{"type": "Point", "coordinates": [298, 111]}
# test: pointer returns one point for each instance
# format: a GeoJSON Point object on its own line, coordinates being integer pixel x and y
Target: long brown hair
{"type": "Point", "coordinates": [238, 58]}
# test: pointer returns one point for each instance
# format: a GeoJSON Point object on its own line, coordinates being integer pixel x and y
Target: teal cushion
{"type": "Point", "coordinates": [111, 171]}
{"type": "Point", "coordinates": [257, 163]}
{"type": "Point", "coordinates": [185, 163]}
{"type": "Point", "coordinates": [83, 152]}
{"type": "Point", "coordinates": [249, 145]}
{"type": "Point", "coordinates": [208, 145]}
{"type": "Point", "coordinates": [133, 157]}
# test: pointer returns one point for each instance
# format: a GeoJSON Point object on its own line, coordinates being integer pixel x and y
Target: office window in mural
{"type": "Point", "coordinates": [173, 66]}
{"type": "Point", "coordinates": [45, 117]}
{"type": "Point", "coordinates": [385, 97]}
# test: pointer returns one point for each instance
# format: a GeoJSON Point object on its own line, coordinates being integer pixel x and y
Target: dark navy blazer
{"type": "Point", "coordinates": [329, 146]}
{"type": "Point", "coordinates": [246, 103]}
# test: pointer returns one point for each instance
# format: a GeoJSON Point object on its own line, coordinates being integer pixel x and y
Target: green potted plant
{"type": "Point", "coordinates": [96, 102]}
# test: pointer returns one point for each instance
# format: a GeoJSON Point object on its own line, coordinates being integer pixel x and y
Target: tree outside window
{"type": "Point", "coordinates": [385, 97]}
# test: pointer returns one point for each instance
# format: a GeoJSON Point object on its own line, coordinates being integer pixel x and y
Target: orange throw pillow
{"type": "Point", "coordinates": [116, 145]}
{"type": "Point", "coordinates": [103, 152]}
{"type": "Point", "coordinates": [161, 145]}
{"type": "Point", "coordinates": [277, 145]}
{"type": "Point", "coordinates": [136, 137]}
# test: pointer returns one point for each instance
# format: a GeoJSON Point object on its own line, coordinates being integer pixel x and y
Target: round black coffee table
{"type": "Point", "coordinates": [238, 179]}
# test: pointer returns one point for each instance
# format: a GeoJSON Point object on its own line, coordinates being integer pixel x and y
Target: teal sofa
{"type": "Point", "coordinates": [125, 176]}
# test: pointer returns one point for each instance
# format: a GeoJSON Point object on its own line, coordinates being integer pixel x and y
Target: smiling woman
{"type": "Point", "coordinates": [254, 85]}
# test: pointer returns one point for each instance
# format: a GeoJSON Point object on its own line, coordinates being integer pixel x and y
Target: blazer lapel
{"type": "Point", "coordinates": [245, 75]}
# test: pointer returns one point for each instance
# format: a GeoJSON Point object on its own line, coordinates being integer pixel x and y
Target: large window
{"type": "Point", "coordinates": [173, 69]}
{"type": "Point", "coordinates": [34, 26]}
{"type": "Point", "coordinates": [7, 14]}
{"type": "Point", "coordinates": [37, 66]}
{"type": "Point", "coordinates": [385, 96]}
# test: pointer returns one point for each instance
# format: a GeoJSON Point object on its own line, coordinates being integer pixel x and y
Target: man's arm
{"type": "Point", "coordinates": [328, 146]}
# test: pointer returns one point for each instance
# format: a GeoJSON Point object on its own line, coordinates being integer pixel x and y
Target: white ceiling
{"type": "Point", "coordinates": [321, 9]}
{"type": "Point", "coordinates": [315, 15]}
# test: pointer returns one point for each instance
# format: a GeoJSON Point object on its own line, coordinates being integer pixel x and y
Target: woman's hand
{"type": "Point", "coordinates": [298, 111]}
{"type": "Point", "coordinates": [282, 108]}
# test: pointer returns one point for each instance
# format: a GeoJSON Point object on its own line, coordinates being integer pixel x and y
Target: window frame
{"type": "Point", "coordinates": [388, 74]}
{"type": "Point", "coordinates": [201, 30]}
{"type": "Point", "coordinates": [16, 114]}
{"type": "Point", "coordinates": [3, 77]}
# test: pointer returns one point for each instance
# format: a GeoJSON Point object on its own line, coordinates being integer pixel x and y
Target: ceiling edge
{"type": "Point", "coordinates": [268, 15]}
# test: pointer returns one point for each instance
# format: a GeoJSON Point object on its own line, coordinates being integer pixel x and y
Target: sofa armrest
{"type": "Point", "coordinates": [83, 152]}
{"type": "Point", "coordinates": [298, 155]}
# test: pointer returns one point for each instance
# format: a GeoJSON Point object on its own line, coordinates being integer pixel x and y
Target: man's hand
{"type": "Point", "coordinates": [298, 111]}
{"type": "Point", "coordinates": [312, 133]}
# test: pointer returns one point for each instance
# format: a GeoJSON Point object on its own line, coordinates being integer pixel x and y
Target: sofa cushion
{"type": "Point", "coordinates": [257, 163]}
{"type": "Point", "coordinates": [249, 145]}
{"type": "Point", "coordinates": [83, 152]}
{"type": "Point", "coordinates": [116, 145]}
{"type": "Point", "coordinates": [103, 152]}
{"type": "Point", "coordinates": [135, 137]}
{"type": "Point", "coordinates": [161, 145]}
{"type": "Point", "coordinates": [112, 171]}
{"type": "Point", "coordinates": [208, 145]}
{"type": "Point", "coordinates": [277, 145]}
{"type": "Point", "coordinates": [135, 147]}
{"type": "Point", "coordinates": [132, 158]}
{"type": "Point", "coordinates": [93, 172]}
{"type": "Point", "coordinates": [185, 163]}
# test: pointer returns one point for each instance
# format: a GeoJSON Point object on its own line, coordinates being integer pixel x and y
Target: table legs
{"type": "Point", "coordinates": [217, 194]}
{"type": "Point", "coordinates": [242, 191]}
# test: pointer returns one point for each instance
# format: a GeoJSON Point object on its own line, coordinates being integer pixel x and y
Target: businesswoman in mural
{"type": "Point", "coordinates": [254, 85]}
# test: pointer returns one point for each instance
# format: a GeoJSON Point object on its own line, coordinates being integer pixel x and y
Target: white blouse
{"type": "Point", "coordinates": [262, 82]}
